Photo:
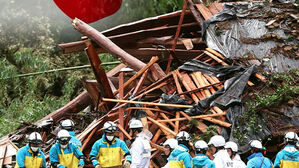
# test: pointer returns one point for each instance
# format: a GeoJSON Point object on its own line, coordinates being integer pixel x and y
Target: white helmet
{"type": "Point", "coordinates": [290, 137]}
{"type": "Point", "coordinates": [199, 145]}
{"type": "Point", "coordinates": [135, 124]}
{"type": "Point", "coordinates": [217, 141]}
{"type": "Point", "coordinates": [67, 124]}
{"type": "Point", "coordinates": [109, 127]}
{"type": "Point", "coordinates": [171, 142]}
{"type": "Point", "coordinates": [231, 145]}
{"type": "Point", "coordinates": [183, 136]}
{"type": "Point", "coordinates": [63, 137]}
{"type": "Point", "coordinates": [35, 138]}
{"type": "Point", "coordinates": [256, 144]}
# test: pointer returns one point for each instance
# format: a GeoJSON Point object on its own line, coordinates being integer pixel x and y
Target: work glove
{"type": "Point", "coordinates": [127, 164]}
{"type": "Point", "coordinates": [98, 166]}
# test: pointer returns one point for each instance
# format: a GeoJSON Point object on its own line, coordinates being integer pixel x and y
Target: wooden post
{"type": "Point", "coordinates": [98, 71]}
{"type": "Point", "coordinates": [121, 97]}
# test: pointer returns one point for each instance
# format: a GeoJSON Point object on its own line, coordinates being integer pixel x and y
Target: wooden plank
{"type": "Point", "coordinates": [165, 117]}
{"type": "Point", "coordinates": [121, 97]}
{"type": "Point", "coordinates": [219, 6]}
{"type": "Point", "coordinates": [124, 131]}
{"type": "Point", "coordinates": [204, 11]}
{"type": "Point", "coordinates": [146, 103]}
{"type": "Point", "coordinates": [191, 85]}
{"type": "Point", "coordinates": [215, 53]}
{"type": "Point", "coordinates": [211, 81]}
{"type": "Point", "coordinates": [162, 126]}
{"type": "Point", "coordinates": [116, 70]}
{"type": "Point", "coordinates": [178, 85]}
{"type": "Point", "coordinates": [195, 117]}
{"type": "Point", "coordinates": [207, 91]}
{"type": "Point", "coordinates": [140, 72]}
{"type": "Point", "coordinates": [177, 123]}
{"type": "Point", "coordinates": [157, 135]}
{"type": "Point", "coordinates": [213, 9]}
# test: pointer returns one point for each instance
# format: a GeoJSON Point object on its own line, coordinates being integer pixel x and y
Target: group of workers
{"type": "Point", "coordinates": [109, 151]}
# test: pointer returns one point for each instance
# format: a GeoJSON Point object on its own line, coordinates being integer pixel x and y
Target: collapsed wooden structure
{"type": "Point", "coordinates": [171, 38]}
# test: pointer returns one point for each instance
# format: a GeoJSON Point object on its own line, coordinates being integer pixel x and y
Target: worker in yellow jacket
{"type": "Point", "coordinates": [64, 154]}
{"type": "Point", "coordinates": [31, 156]}
{"type": "Point", "coordinates": [107, 151]}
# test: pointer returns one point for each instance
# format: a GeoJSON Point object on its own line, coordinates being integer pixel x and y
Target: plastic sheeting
{"type": "Point", "coordinates": [218, 71]}
{"type": "Point", "coordinates": [236, 26]}
{"type": "Point", "coordinates": [172, 99]}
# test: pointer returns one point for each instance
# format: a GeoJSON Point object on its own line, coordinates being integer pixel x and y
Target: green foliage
{"type": "Point", "coordinates": [211, 131]}
{"type": "Point", "coordinates": [284, 88]}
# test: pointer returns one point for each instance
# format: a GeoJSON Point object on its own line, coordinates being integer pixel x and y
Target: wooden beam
{"type": "Point", "coordinates": [107, 44]}
{"type": "Point", "coordinates": [99, 71]}
{"type": "Point", "coordinates": [140, 72]}
{"type": "Point", "coordinates": [145, 103]}
{"type": "Point", "coordinates": [162, 126]}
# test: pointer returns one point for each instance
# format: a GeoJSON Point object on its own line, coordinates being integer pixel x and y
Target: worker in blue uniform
{"type": "Point", "coordinates": [256, 159]}
{"type": "Point", "coordinates": [201, 160]}
{"type": "Point", "coordinates": [107, 151]}
{"type": "Point", "coordinates": [31, 156]}
{"type": "Point", "coordinates": [289, 156]}
{"type": "Point", "coordinates": [69, 125]}
{"type": "Point", "coordinates": [180, 157]}
{"type": "Point", "coordinates": [64, 154]}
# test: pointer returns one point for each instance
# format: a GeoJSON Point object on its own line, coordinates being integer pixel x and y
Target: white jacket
{"type": "Point", "coordinates": [222, 159]}
{"type": "Point", "coordinates": [141, 150]}
{"type": "Point", "coordinates": [238, 163]}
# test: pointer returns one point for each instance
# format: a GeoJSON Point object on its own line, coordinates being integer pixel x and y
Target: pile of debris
{"type": "Point", "coordinates": [203, 91]}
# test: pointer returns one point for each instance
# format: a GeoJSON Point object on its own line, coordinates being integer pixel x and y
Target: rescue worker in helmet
{"type": "Point", "coordinates": [180, 157]}
{"type": "Point", "coordinates": [221, 157]}
{"type": "Point", "coordinates": [69, 125]}
{"type": "Point", "coordinates": [232, 149]}
{"type": "Point", "coordinates": [201, 160]}
{"type": "Point", "coordinates": [169, 145]}
{"type": "Point", "coordinates": [140, 148]}
{"type": "Point", "coordinates": [31, 156]}
{"type": "Point", "coordinates": [256, 159]}
{"type": "Point", "coordinates": [289, 156]}
{"type": "Point", "coordinates": [107, 151]}
{"type": "Point", "coordinates": [64, 154]}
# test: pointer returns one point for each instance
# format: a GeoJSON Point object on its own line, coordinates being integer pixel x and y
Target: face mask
{"type": "Point", "coordinates": [63, 146]}
{"type": "Point", "coordinates": [34, 149]}
{"type": "Point", "coordinates": [109, 138]}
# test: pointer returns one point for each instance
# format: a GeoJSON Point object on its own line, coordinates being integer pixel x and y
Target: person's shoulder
{"type": "Point", "coordinates": [56, 145]}
{"type": "Point", "coordinates": [23, 149]}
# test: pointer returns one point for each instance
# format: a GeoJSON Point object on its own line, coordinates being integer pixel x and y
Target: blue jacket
{"type": "Point", "coordinates": [109, 155]}
{"type": "Point", "coordinates": [26, 159]}
{"type": "Point", "coordinates": [75, 140]}
{"type": "Point", "coordinates": [70, 157]}
{"type": "Point", "coordinates": [256, 161]}
{"type": "Point", "coordinates": [202, 161]}
{"type": "Point", "coordinates": [180, 158]}
{"type": "Point", "coordinates": [288, 157]}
